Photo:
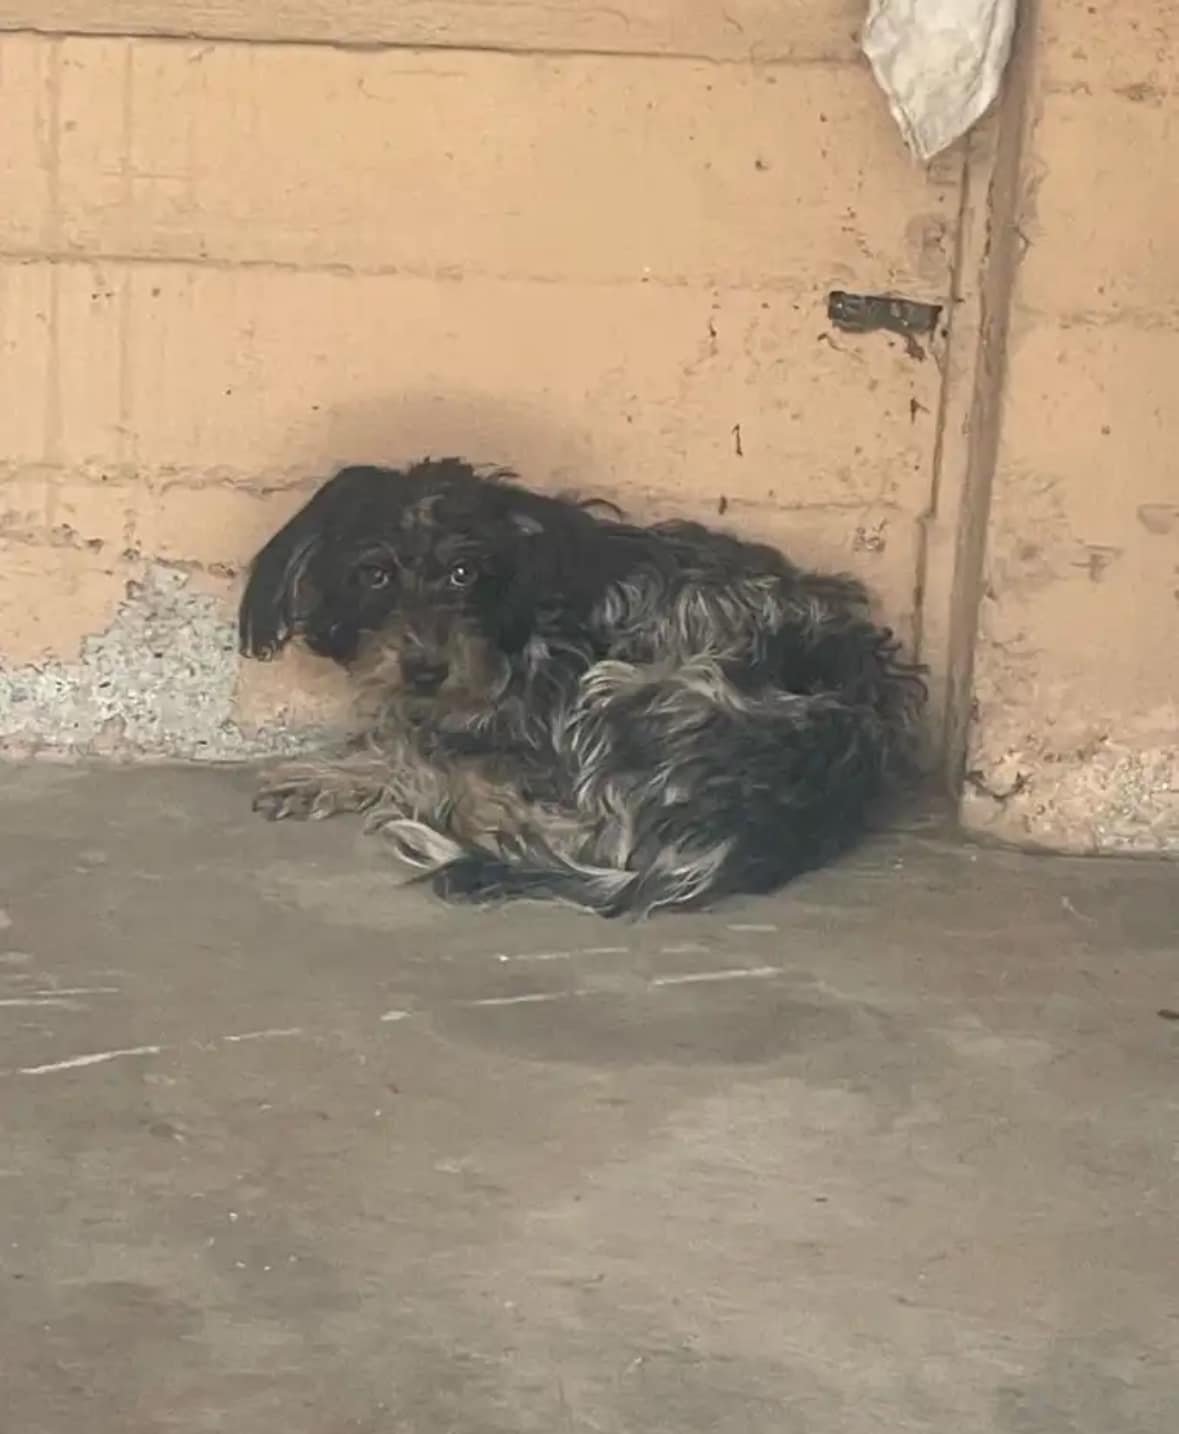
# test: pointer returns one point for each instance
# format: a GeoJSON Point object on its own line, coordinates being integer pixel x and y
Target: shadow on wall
{"type": "Point", "coordinates": [502, 433]}
{"type": "Point", "coordinates": [663, 472]}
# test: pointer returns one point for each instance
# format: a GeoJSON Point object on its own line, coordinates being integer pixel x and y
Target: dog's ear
{"type": "Point", "coordinates": [552, 537]}
{"type": "Point", "coordinates": [516, 608]}
{"type": "Point", "coordinates": [269, 612]}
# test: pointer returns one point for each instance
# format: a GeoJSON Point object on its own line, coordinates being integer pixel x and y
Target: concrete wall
{"type": "Point", "coordinates": [594, 244]}
{"type": "Point", "coordinates": [1075, 739]}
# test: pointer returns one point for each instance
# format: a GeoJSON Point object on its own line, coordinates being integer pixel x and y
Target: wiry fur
{"type": "Point", "coordinates": [559, 705]}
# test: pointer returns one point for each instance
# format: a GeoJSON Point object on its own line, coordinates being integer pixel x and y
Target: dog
{"type": "Point", "coordinates": [555, 703]}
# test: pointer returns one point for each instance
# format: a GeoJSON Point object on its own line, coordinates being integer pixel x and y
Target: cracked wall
{"type": "Point", "coordinates": [592, 244]}
{"type": "Point", "coordinates": [1075, 733]}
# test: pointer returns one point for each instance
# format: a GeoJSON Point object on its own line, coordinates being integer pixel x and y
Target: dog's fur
{"type": "Point", "coordinates": [561, 705]}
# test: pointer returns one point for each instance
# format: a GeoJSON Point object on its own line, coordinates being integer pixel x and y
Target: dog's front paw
{"type": "Point", "coordinates": [293, 798]}
{"type": "Point", "coordinates": [310, 793]}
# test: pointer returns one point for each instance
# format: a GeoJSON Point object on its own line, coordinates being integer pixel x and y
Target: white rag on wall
{"type": "Point", "coordinates": [940, 63]}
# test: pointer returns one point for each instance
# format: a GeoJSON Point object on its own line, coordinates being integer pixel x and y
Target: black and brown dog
{"type": "Point", "coordinates": [557, 704]}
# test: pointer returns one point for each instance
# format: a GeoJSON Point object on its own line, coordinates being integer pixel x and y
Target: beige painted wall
{"type": "Point", "coordinates": [1076, 677]}
{"type": "Point", "coordinates": [229, 267]}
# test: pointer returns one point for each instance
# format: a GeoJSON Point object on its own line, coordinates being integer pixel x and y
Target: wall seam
{"type": "Point", "coordinates": [775, 59]}
{"type": "Point", "coordinates": [1004, 249]}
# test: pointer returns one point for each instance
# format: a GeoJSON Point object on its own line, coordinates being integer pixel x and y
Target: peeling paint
{"type": "Point", "coordinates": [160, 681]}
{"type": "Point", "coordinates": [1111, 797]}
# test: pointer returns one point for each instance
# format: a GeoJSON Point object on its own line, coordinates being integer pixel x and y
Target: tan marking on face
{"type": "Point", "coordinates": [476, 679]}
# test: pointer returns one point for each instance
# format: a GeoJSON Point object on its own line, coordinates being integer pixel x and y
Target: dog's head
{"type": "Point", "coordinates": [447, 571]}
{"type": "Point", "coordinates": [332, 574]}
{"type": "Point", "coordinates": [475, 562]}
{"type": "Point", "coordinates": [443, 571]}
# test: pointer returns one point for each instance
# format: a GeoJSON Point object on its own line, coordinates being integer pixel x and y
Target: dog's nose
{"type": "Point", "coordinates": [424, 674]}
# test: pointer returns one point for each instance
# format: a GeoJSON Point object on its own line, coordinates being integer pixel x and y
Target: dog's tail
{"type": "Point", "coordinates": [458, 872]}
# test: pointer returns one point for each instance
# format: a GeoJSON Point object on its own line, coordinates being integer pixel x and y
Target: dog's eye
{"type": "Point", "coordinates": [462, 575]}
{"type": "Point", "coordinates": [373, 576]}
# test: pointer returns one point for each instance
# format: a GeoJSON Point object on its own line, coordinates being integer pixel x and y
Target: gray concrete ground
{"type": "Point", "coordinates": [286, 1148]}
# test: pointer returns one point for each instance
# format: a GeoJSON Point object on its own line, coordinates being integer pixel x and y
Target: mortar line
{"type": "Point", "coordinates": [782, 285]}
{"type": "Point", "coordinates": [261, 40]}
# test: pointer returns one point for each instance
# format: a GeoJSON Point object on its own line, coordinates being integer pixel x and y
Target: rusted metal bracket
{"type": "Point", "coordinates": [867, 313]}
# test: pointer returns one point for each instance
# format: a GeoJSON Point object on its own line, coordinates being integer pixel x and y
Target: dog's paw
{"type": "Point", "coordinates": [297, 799]}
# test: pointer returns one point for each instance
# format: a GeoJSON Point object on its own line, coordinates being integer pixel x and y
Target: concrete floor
{"type": "Point", "coordinates": [288, 1150]}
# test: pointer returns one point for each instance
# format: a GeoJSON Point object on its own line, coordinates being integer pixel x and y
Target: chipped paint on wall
{"type": "Point", "coordinates": [161, 680]}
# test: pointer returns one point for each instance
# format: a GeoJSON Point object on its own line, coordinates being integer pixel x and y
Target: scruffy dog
{"type": "Point", "coordinates": [557, 704]}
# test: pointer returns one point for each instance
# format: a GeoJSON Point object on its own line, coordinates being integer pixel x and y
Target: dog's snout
{"type": "Point", "coordinates": [424, 673]}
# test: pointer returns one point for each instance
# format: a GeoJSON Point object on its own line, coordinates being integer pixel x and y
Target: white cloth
{"type": "Point", "coordinates": [939, 62]}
